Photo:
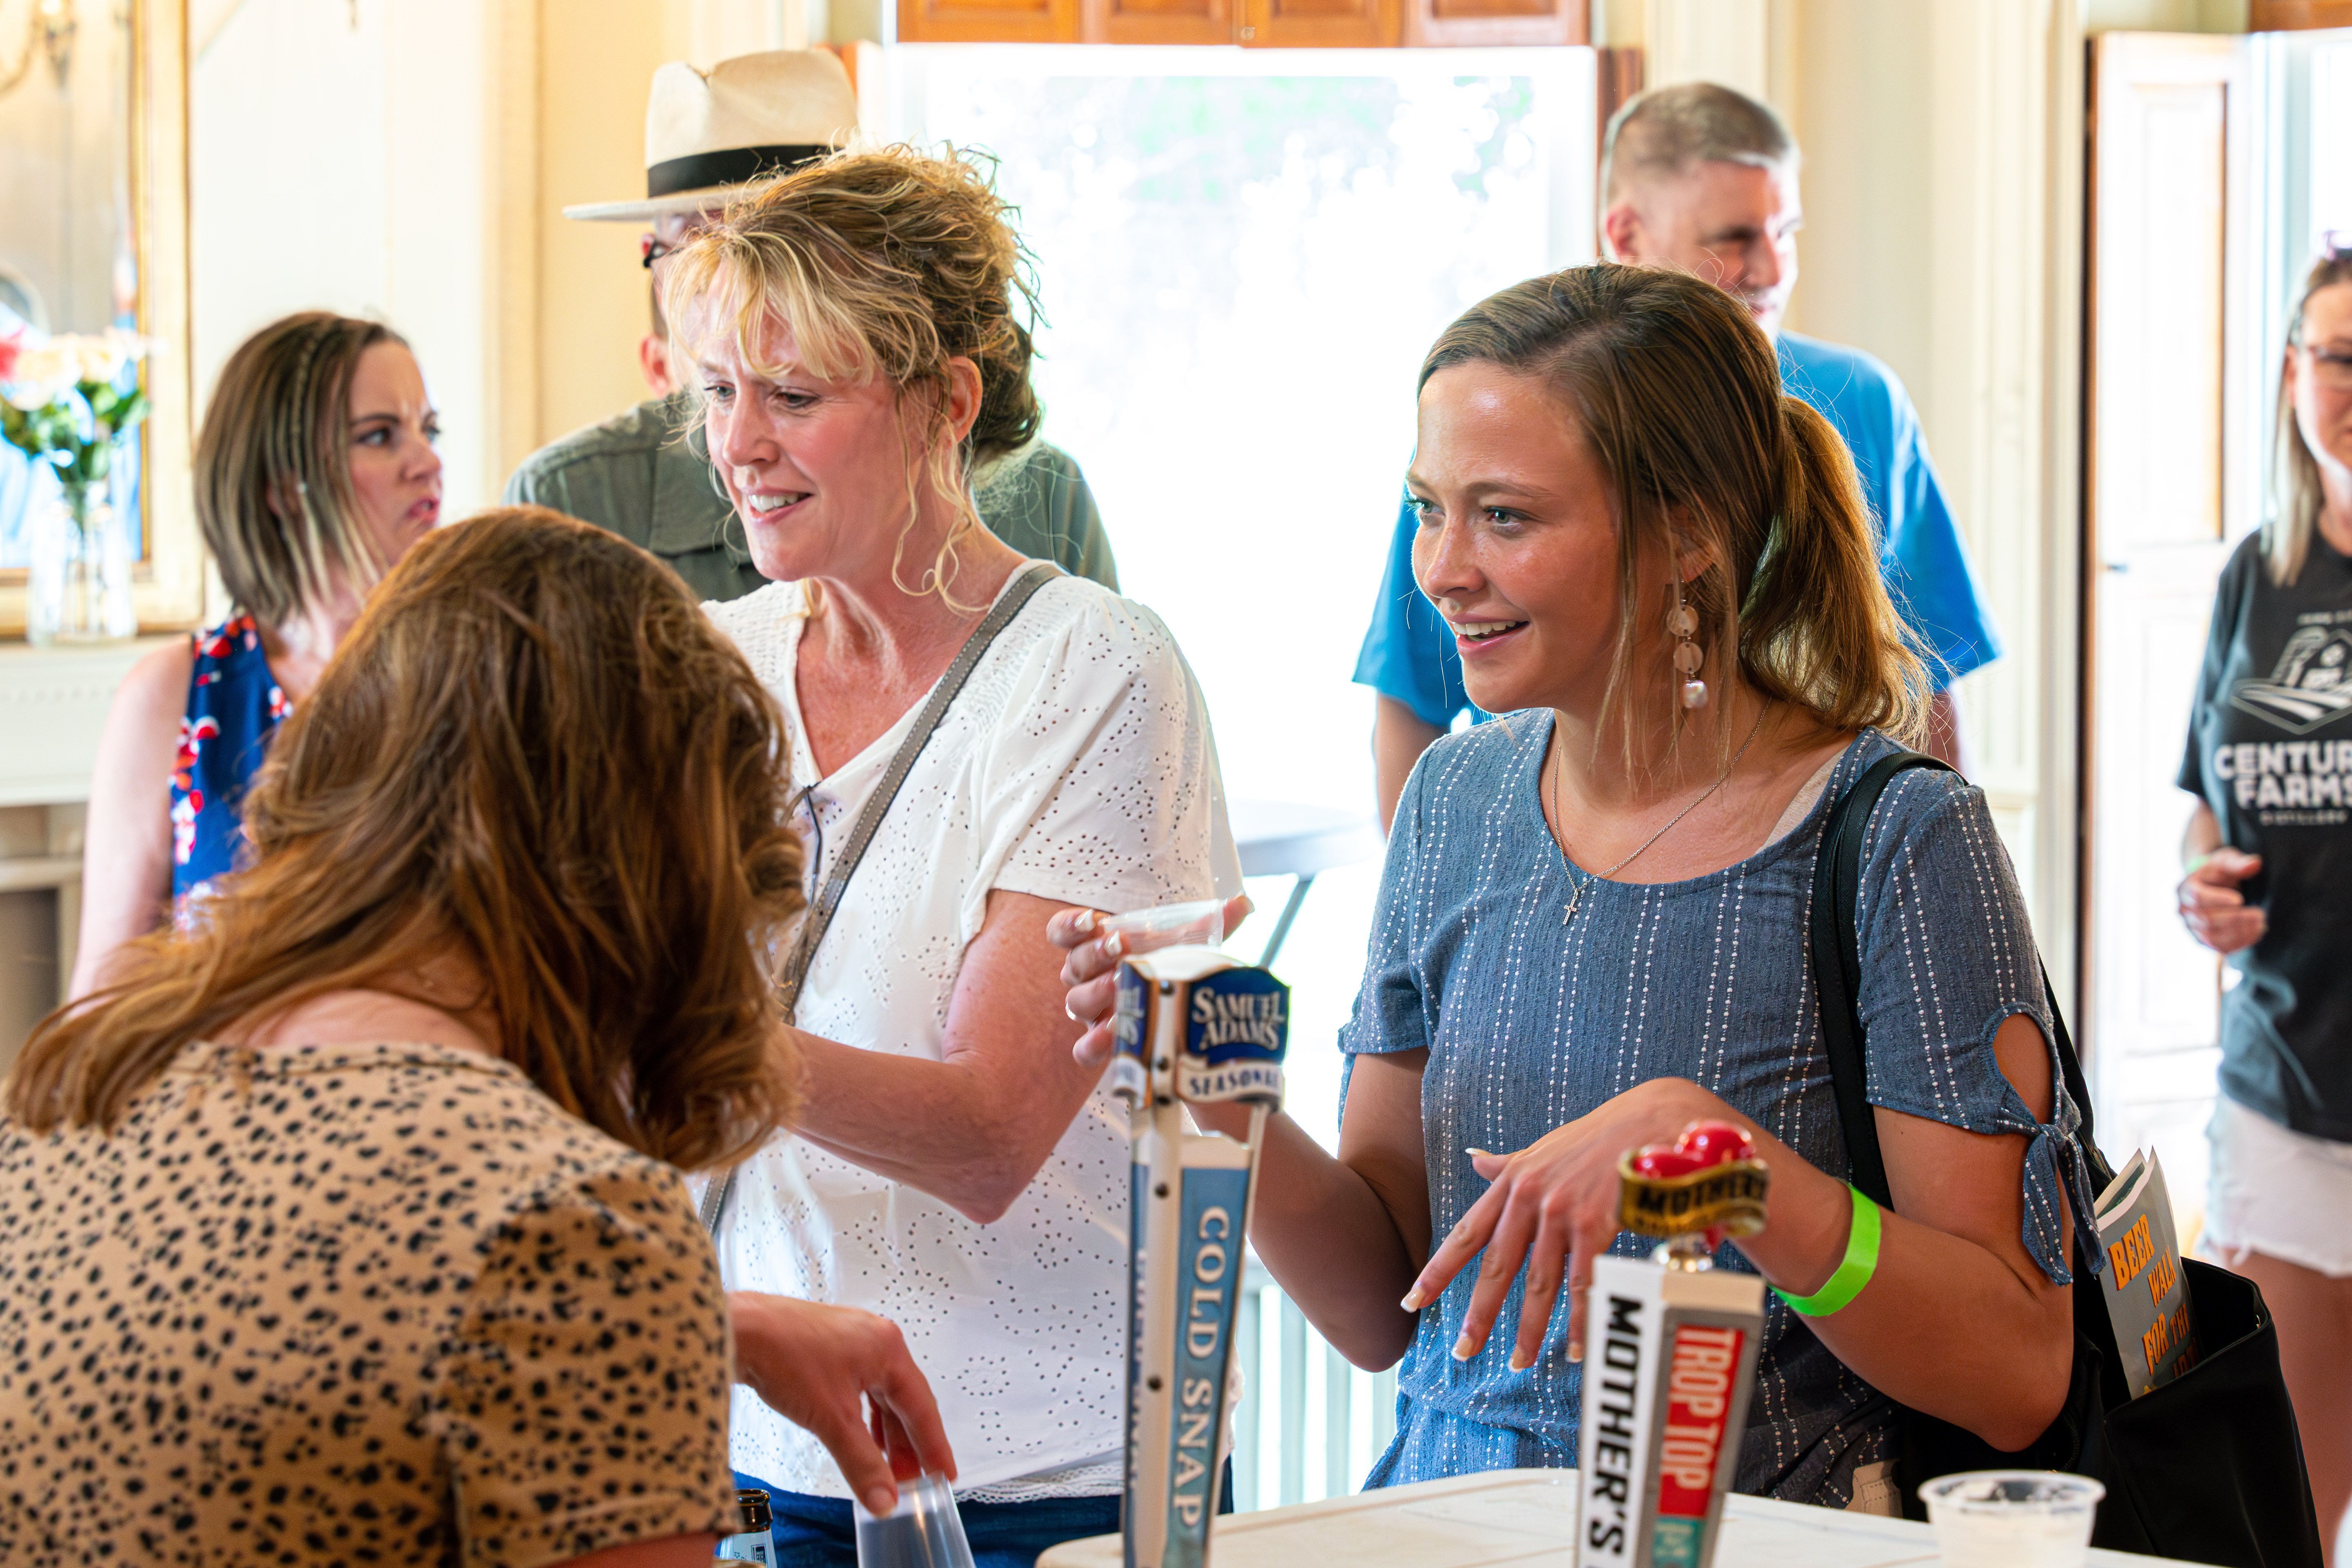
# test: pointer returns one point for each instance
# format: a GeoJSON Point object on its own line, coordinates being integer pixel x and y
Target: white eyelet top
{"type": "Point", "coordinates": [1076, 766]}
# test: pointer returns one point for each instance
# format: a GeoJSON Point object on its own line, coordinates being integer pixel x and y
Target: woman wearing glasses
{"type": "Point", "coordinates": [2268, 882]}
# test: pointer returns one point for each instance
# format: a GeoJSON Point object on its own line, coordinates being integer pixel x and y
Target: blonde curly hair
{"type": "Point", "coordinates": [886, 262]}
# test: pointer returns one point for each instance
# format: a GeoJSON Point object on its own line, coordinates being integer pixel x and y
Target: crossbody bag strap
{"type": "Point", "coordinates": [1833, 948]}
{"type": "Point", "coordinates": [1834, 942]}
{"type": "Point", "coordinates": [820, 909]}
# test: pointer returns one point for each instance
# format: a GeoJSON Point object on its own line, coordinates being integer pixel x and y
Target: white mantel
{"type": "Point", "coordinates": [53, 705]}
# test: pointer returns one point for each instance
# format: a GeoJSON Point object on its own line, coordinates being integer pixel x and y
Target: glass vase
{"type": "Point", "coordinates": [79, 587]}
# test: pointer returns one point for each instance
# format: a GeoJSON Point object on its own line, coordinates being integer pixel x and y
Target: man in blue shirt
{"type": "Point", "coordinates": [1703, 178]}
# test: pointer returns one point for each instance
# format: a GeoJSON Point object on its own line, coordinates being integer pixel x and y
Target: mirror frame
{"type": "Point", "coordinates": [168, 584]}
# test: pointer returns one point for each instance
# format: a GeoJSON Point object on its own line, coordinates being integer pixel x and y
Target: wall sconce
{"type": "Point", "coordinates": [49, 32]}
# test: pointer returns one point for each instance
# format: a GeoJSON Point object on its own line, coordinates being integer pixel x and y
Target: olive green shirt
{"type": "Point", "coordinates": [644, 475]}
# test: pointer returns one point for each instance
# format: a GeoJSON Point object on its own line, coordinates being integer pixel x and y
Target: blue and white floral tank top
{"type": "Point", "coordinates": [235, 705]}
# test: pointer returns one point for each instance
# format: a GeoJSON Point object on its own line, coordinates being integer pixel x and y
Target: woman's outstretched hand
{"type": "Point", "coordinates": [1091, 971]}
{"type": "Point", "coordinates": [2213, 909]}
{"type": "Point", "coordinates": [1553, 1207]}
{"type": "Point", "coordinates": [846, 1376]}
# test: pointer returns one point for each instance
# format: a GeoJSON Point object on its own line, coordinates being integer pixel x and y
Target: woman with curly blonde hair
{"type": "Point", "coordinates": [345, 1224]}
{"type": "Point", "coordinates": [854, 332]}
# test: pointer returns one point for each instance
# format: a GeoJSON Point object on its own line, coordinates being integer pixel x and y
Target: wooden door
{"type": "Point", "coordinates": [989, 21]}
{"type": "Point", "coordinates": [2278, 15]}
{"type": "Point", "coordinates": [1322, 24]}
{"type": "Point", "coordinates": [2158, 532]}
{"type": "Point", "coordinates": [1156, 21]}
{"type": "Point", "coordinates": [1496, 23]}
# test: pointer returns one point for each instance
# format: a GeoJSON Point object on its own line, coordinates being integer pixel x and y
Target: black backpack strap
{"type": "Point", "coordinates": [1834, 945]}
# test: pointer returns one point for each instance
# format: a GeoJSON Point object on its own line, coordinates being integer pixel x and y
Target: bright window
{"type": "Point", "coordinates": [1242, 257]}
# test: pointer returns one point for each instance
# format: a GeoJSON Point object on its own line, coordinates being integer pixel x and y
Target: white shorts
{"type": "Point", "coordinates": [2284, 1193]}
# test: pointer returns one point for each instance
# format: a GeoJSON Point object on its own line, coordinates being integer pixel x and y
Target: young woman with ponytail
{"type": "Point", "coordinates": [1590, 931]}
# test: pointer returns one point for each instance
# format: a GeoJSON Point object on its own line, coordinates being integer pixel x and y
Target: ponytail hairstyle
{"type": "Point", "coordinates": [1678, 393]}
{"type": "Point", "coordinates": [2294, 472]}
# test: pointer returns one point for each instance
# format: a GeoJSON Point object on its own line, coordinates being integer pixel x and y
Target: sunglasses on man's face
{"type": "Point", "coordinates": [651, 248]}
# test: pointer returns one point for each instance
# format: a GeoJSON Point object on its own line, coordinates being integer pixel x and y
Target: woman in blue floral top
{"type": "Point", "coordinates": [314, 474]}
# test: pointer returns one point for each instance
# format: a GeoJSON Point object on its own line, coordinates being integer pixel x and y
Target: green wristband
{"type": "Point", "coordinates": [1861, 1263]}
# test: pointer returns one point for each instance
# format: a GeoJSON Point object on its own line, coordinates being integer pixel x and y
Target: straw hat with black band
{"type": "Point", "coordinates": [711, 133]}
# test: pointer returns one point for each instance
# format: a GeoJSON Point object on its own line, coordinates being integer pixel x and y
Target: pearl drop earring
{"type": "Point", "coordinates": [1683, 622]}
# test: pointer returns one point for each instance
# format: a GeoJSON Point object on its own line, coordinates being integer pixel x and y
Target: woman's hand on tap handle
{"type": "Point", "coordinates": [1091, 971]}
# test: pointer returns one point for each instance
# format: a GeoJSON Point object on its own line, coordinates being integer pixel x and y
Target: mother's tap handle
{"type": "Point", "coordinates": [1708, 1180]}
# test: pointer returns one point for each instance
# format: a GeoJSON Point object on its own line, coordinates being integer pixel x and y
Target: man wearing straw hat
{"type": "Point", "coordinates": [644, 474]}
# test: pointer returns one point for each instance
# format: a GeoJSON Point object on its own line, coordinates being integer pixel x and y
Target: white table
{"type": "Point", "coordinates": [1528, 1517]}
{"type": "Point", "coordinates": [1286, 838]}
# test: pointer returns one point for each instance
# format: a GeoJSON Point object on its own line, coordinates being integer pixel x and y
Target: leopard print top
{"type": "Point", "coordinates": [380, 1304]}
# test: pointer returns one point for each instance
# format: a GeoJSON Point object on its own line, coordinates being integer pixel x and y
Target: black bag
{"type": "Point", "coordinates": [2207, 1468]}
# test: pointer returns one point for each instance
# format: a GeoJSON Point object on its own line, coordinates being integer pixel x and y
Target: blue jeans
{"type": "Point", "coordinates": [816, 1532]}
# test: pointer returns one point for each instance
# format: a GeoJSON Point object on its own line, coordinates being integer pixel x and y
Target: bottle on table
{"type": "Point", "coordinates": [752, 1541]}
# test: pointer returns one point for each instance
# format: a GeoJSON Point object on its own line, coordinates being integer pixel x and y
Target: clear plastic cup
{"type": "Point", "coordinates": [1200, 924]}
{"type": "Point", "coordinates": [923, 1531]}
{"type": "Point", "coordinates": [2012, 1518]}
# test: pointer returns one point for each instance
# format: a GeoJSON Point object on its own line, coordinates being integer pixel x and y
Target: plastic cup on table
{"type": "Point", "coordinates": [2012, 1518]}
{"type": "Point", "coordinates": [924, 1530]}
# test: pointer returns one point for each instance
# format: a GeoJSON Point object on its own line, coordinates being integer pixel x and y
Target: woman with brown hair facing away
{"type": "Point", "coordinates": [2270, 749]}
{"type": "Point", "coordinates": [343, 1225]}
{"type": "Point", "coordinates": [315, 473]}
{"type": "Point", "coordinates": [1590, 928]}
{"type": "Point", "coordinates": [854, 332]}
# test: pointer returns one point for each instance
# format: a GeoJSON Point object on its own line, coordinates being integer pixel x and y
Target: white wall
{"type": "Point", "coordinates": [595, 65]}
{"type": "Point", "coordinates": [1941, 181]}
{"type": "Point", "coordinates": [2164, 15]}
{"type": "Point", "coordinates": [1724, 41]}
{"type": "Point", "coordinates": [64, 182]}
{"type": "Point", "coordinates": [347, 158]}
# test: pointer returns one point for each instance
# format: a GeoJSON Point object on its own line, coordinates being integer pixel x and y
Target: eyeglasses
{"type": "Point", "coordinates": [650, 247]}
{"type": "Point", "coordinates": [2330, 369]}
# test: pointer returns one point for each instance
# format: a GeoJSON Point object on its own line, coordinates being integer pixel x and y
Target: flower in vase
{"type": "Point", "coordinates": [101, 358]}
{"type": "Point", "coordinates": [37, 380]}
{"type": "Point", "coordinates": [63, 401]}
{"type": "Point", "coordinates": [37, 374]}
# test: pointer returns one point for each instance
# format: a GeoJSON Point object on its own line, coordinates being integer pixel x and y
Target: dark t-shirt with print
{"type": "Point", "coordinates": [2269, 749]}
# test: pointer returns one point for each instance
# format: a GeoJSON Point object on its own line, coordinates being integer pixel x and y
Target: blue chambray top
{"type": "Point", "coordinates": [1530, 1025]}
